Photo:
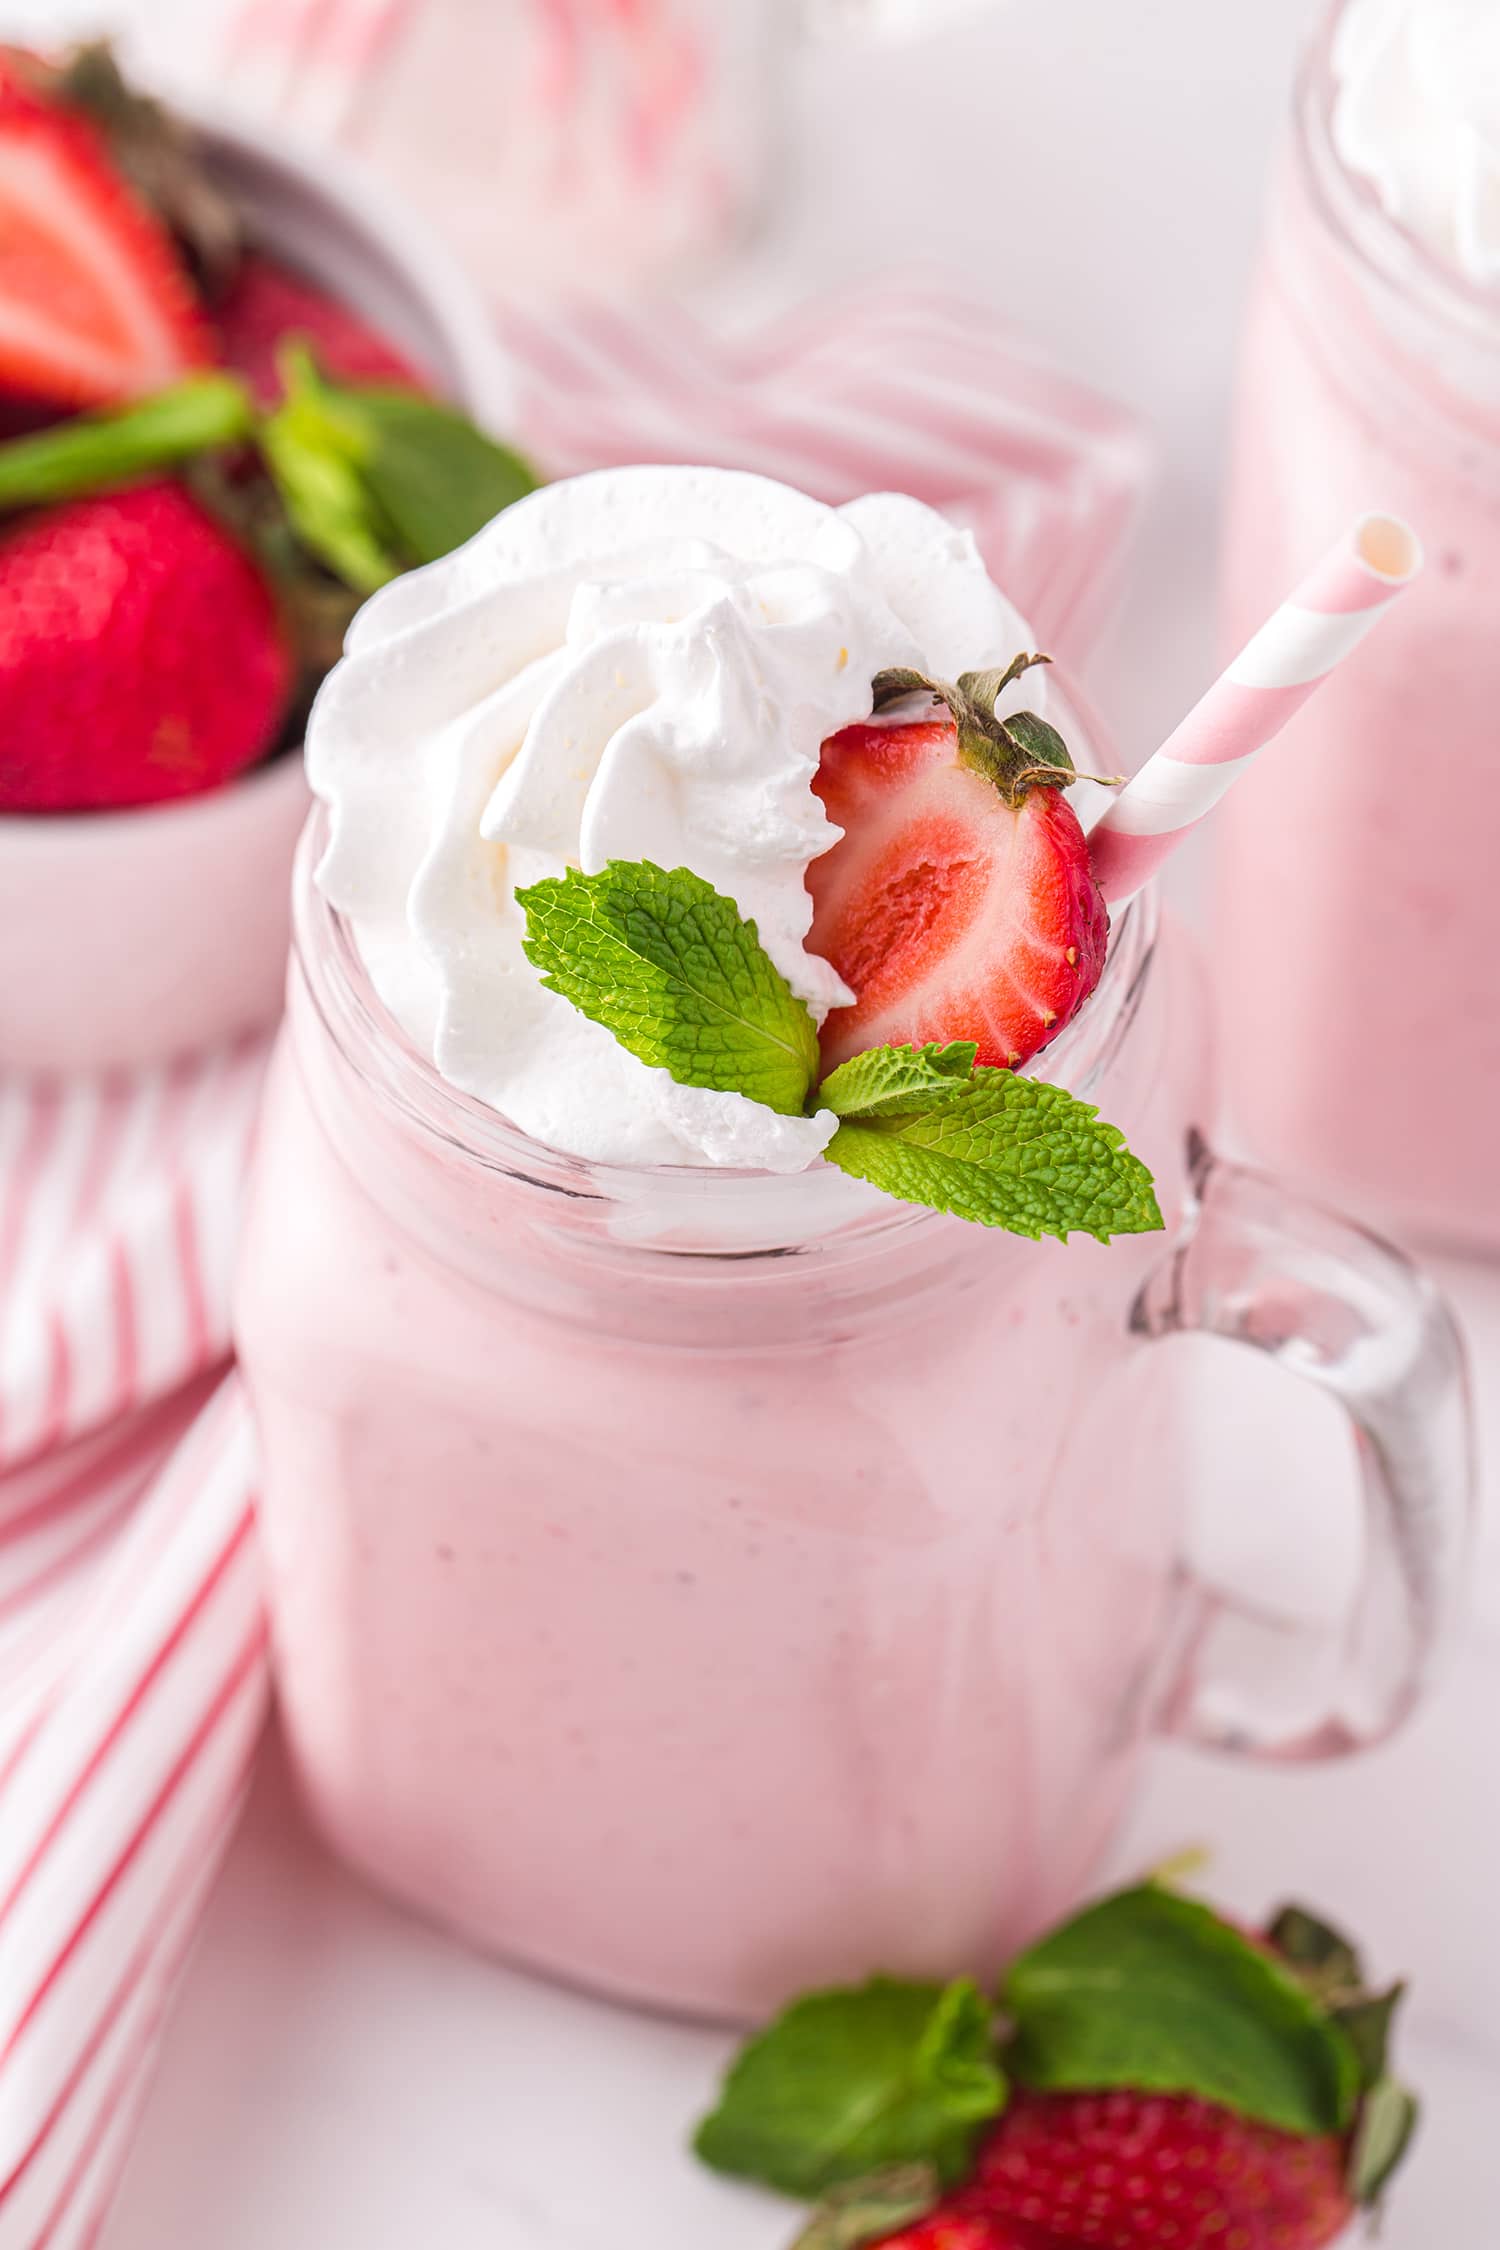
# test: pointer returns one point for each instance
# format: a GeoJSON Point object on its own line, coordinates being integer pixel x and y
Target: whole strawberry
{"type": "Point", "coordinates": [960, 902]}
{"type": "Point", "coordinates": [141, 653]}
{"type": "Point", "coordinates": [1151, 2076]}
{"type": "Point", "coordinates": [268, 302]}
{"type": "Point", "coordinates": [1127, 2171]}
{"type": "Point", "coordinates": [965, 2229]}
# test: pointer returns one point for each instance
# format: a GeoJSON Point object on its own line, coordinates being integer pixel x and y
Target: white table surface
{"type": "Point", "coordinates": [337, 2075]}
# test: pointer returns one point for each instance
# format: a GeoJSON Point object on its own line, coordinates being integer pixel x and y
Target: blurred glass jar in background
{"type": "Point", "coordinates": [557, 141]}
{"type": "Point", "coordinates": [1358, 872]}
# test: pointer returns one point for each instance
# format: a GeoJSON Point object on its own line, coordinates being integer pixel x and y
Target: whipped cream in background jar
{"type": "Point", "coordinates": [694, 1573]}
{"type": "Point", "coordinates": [1357, 874]}
{"type": "Point", "coordinates": [596, 142]}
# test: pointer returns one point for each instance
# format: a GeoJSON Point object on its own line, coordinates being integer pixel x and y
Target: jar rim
{"type": "Point", "coordinates": [1391, 256]}
{"type": "Point", "coordinates": [404, 1081]}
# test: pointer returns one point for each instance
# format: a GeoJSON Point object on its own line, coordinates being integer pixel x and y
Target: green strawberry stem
{"type": "Point", "coordinates": [93, 451]}
{"type": "Point", "coordinates": [1015, 754]}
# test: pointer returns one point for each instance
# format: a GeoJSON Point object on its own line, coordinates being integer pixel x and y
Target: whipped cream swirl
{"type": "Point", "coordinates": [637, 664]}
{"type": "Point", "coordinates": [1417, 113]}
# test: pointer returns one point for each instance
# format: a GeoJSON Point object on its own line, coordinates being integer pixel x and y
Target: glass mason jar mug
{"type": "Point", "coordinates": [702, 1585]}
{"type": "Point", "coordinates": [1358, 913]}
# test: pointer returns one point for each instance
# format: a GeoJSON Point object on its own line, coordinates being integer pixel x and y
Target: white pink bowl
{"type": "Point", "coordinates": [127, 937]}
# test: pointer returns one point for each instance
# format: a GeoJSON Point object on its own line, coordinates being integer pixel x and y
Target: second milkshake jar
{"type": "Point", "coordinates": [1356, 872]}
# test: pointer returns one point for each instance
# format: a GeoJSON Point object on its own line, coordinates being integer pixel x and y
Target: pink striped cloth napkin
{"type": "Point", "coordinates": [132, 1629]}
{"type": "Point", "coordinates": [133, 1672]}
{"type": "Point", "coordinates": [897, 384]}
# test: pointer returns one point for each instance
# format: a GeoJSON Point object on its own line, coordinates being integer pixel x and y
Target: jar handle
{"type": "Point", "coordinates": [1353, 1317]}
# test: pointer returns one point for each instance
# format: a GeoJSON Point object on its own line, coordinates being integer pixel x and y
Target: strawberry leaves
{"type": "Point", "coordinates": [156, 152]}
{"type": "Point", "coordinates": [871, 2209]}
{"type": "Point", "coordinates": [1329, 1966]}
{"type": "Point", "coordinates": [1388, 2119]}
{"type": "Point", "coordinates": [670, 966]}
{"type": "Point", "coordinates": [1016, 752]}
{"type": "Point", "coordinates": [1013, 753]}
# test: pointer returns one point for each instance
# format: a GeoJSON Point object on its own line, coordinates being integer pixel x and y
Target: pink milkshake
{"type": "Point", "coordinates": [695, 1572]}
{"type": "Point", "coordinates": [676, 1598]}
{"type": "Point", "coordinates": [1359, 914]}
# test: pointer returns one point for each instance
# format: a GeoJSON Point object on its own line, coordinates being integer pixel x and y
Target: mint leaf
{"type": "Point", "coordinates": [846, 2082]}
{"type": "Point", "coordinates": [1387, 2121]}
{"type": "Point", "coordinates": [1151, 1990]}
{"type": "Point", "coordinates": [1008, 1152]}
{"type": "Point", "coordinates": [895, 1081]}
{"type": "Point", "coordinates": [317, 473]}
{"type": "Point", "coordinates": [436, 476]}
{"type": "Point", "coordinates": [378, 480]}
{"type": "Point", "coordinates": [870, 2209]}
{"type": "Point", "coordinates": [92, 452]}
{"type": "Point", "coordinates": [672, 969]}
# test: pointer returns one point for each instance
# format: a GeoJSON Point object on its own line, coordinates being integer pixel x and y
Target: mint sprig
{"type": "Point", "coordinates": [672, 968]}
{"type": "Point", "coordinates": [1153, 1991]}
{"type": "Point", "coordinates": [377, 479]}
{"type": "Point", "coordinates": [680, 978]}
{"type": "Point", "coordinates": [847, 2082]}
{"type": "Point", "coordinates": [373, 480]}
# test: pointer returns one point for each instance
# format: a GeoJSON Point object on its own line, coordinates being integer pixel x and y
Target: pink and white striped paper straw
{"type": "Point", "coordinates": [1271, 678]}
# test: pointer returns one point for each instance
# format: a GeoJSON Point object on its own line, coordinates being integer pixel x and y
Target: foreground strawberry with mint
{"type": "Point", "coordinates": [960, 903]}
{"type": "Point", "coordinates": [1148, 2078]}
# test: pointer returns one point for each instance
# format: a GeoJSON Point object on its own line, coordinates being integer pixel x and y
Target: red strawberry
{"type": "Point", "coordinates": [95, 303]}
{"type": "Point", "coordinates": [141, 654]}
{"type": "Point", "coordinates": [960, 903]}
{"type": "Point", "coordinates": [953, 2226]}
{"type": "Point", "coordinates": [1128, 2171]}
{"type": "Point", "coordinates": [268, 303]}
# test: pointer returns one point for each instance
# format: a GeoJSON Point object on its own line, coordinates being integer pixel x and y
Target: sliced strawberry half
{"type": "Point", "coordinates": [960, 903]}
{"type": "Point", "coordinates": [95, 303]}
